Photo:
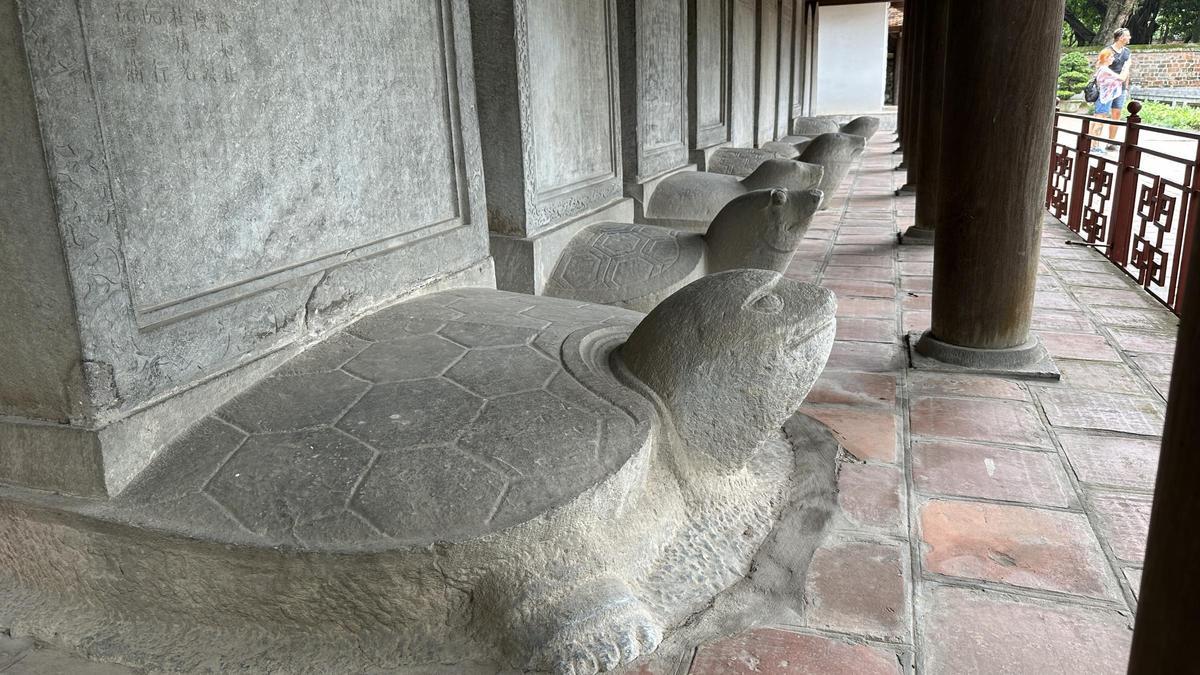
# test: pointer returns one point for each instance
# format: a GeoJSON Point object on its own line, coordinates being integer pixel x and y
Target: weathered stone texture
{"type": "Point", "coordinates": [653, 62]}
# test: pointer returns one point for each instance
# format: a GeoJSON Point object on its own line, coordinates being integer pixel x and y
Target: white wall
{"type": "Point", "coordinates": [851, 58]}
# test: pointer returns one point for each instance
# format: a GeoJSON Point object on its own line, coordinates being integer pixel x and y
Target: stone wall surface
{"type": "Point", "coordinates": [226, 178]}
{"type": "Point", "coordinates": [1172, 68]}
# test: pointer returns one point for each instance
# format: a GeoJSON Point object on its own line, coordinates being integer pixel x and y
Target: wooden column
{"type": "Point", "coordinates": [996, 133]}
{"type": "Point", "coordinates": [1168, 609]}
{"type": "Point", "coordinates": [929, 126]}
{"type": "Point", "coordinates": [902, 75]}
{"type": "Point", "coordinates": [916, 81]}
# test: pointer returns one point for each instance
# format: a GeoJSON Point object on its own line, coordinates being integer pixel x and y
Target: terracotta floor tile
{"type": "Point", "coordinates": [1116, 461]}
{"type": "Point", "coordinates": [940, 384]}
{"type": "Point", "coordinates": [859, 588]}
{"type": "Point", "coordinates": [859, 273]}
{"type": "Point", "coordinates": [1056, 300]}
{"type": "Point", "coordinates": [1160, 342]}
{"type": "Point", "coordinates": [1116, 297]}
{"type": "Point", "coordinates": [865, 433]}
{"type": "Point", "coordinates": [1111, 377]}
{"type": "Point", "coordinates": [1132, 317]}
{"type": "Point", "coordinates": [917, 284]}
{"type": "Point", "coordinates": [990, 472]}
{"type": "Point", "coordinates": [849, 388]}
{"type": "Point", "coordinates": [772, 651]}
{"type": "Point", "coordinates": [1102, 411]}
{"type": "Point", "coordinates": [1015, 545]}
{"type": "Point", "coordinates": [916, 301]}
{"type": "Point", "coordinates": [869, 496]}
{"type": "Point", "coordinates": [914, 267]}
{"type": "Point", "coordinates": [867, 330]}
{"type": "Point", "coordinates": [1046, 319]}
{"type": "Point", "coordinates": [977, 633]}
{"type": "Point", "coordinates": [1124, 522]}
{"type": "Point", "coordinates": [1081, 346]}
{"type": "Point", "coordinates": [978, 420]}
{"type": "Point", "coordinates": [862, 289]}
{"type": "Point", "coordinates": [863, 261]}
{"type": "Point", "coordinates": [916, 320]}
{"type": "Point", "coordinates": [866, 356]}
{"type": "Point", "coordinates": [866, 308]}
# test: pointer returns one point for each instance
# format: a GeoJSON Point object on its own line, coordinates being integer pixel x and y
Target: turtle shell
{"type": "Point", "coordinates": [444, 418]}
{"type": "Point", "coordinates": [623, 263]}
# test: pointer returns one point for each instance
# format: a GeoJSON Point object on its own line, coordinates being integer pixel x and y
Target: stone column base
{"type": "Point", "coordinates": [916, 236]}
{"type": "Point", "coordinates": [1030, 360]}
{"type": "Point", "coordinates": [908, 190]}
{"type": "Point", "coordinates": [523, 264]}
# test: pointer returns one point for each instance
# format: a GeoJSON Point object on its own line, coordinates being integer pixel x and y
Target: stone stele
{"type": "Point", "coordinates": [637, 266]}
{"type": "Point", "coordinates": [472, 474]}
{"type": "Point", "coordinates": [692, 200]}
{"type": "Point", "coordinates": [814, 126]}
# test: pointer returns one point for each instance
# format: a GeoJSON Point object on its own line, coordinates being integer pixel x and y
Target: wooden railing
{"type": "Point", "coordinates": [1137, 204]}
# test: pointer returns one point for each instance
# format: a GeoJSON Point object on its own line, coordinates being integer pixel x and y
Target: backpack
{"type": "Point", "coordinates": [1091, 91]}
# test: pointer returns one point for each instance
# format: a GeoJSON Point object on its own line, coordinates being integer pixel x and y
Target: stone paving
{"type": "Point", "coordinates": [988, 525]}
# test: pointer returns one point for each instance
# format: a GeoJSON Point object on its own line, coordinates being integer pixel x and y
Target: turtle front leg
{"type": "Point", "coordinates": [578, 626]}
{"type": "Point", "coordinates": [596, 628]}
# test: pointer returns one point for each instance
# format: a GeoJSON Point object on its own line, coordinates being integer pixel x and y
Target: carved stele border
{"type": "Point", "coordinates": [136, 351]}
{"type": "Point", "coordinates": [766, 71]}
{"type": "Point", "coordinates": [654, 159]}
{"type": "Point", "coordinates": [743, 58]}
{"type": "Point", "coordinates": [709, 127]}
{"type": "Point", "coordinates": [550, 205]}
{"type": "Point", "coordinates": [784, 71]}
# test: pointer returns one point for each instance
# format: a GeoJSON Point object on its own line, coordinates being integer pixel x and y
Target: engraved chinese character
{"type": "Point", "coordinates": [181, 45]}
{"type": "Point", "coordinates": [133, 69]}
{"type": "Point", "coordinates": [176, 19]}
{"type": "Point", "coordinates": [160, 71]}
{"type": "Point", "coordinates": [229, 75]}
{"type": "Point", "coordinates": [200, 18]}
{"type": "Point", "coordinates": [222, 22]}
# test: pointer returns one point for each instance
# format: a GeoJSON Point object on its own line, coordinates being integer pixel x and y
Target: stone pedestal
{"type": "Point", "coordinates": [988, 240]}
{"type": "Point", "coordinates": [191, 194]}
{"type": "Point", "coordinates": [549, 106]}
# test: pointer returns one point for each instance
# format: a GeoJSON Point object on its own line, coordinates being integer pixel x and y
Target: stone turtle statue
{"type": "Point", "coordinates": [637, 266]}
{"type": "Point", "coordinates": [690, 200]}
{"type": "Point", "coordinates": [835, 153]}
{"type": "Point", "coordinates": [865, 126]}
{"type": "Point", "coordinates": [469, 476]}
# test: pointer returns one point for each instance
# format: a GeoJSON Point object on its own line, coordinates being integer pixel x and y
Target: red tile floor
{"type": "Point", "coordinates": [987, 525]}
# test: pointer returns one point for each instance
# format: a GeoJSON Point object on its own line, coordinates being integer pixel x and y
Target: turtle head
{"type": "Point", "coordinates": [731, 356]}
{"type": "Point", "coordinates": [761, 229]}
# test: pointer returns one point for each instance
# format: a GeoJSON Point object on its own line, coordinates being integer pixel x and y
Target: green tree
{"type": "Point", "coordinates": [1074, 71]}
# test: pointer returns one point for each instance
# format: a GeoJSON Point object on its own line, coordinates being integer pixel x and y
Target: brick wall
{"type": "Point", "coordinates": [1168, 68]}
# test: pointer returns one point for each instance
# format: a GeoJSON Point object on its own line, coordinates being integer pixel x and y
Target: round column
{"type": "Point", "coordinates": [929, 125]}
{"type": "Point", "coordinates": [916, 80]}
{"type": "Point", "coordinates": [997, 116]}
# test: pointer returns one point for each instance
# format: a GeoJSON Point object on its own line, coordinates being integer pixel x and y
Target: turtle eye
{"type": "Point", "coordinates": [767, 304]}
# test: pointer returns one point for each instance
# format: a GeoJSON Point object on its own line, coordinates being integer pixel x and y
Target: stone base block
{"type": "Point", "coordinates": [916, 236]}
{"type": "Point", "coordinates": [907, 190]}
{"type": "Point", "coordinates": [102, 459]}
{"type": "Point", "coordinates": [524, 264]}
{"type": "Point", "coordinates": [642, 190]}
{"type": "Point", "coordinates": [701, 156]}
{"type": "Point", "coordinates": [1029, 361]}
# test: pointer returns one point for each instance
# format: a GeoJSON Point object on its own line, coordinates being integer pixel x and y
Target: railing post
{"type": "Point", "coordinates": [1078, 176]}
{"type": "Point", "coordinates": [1190, 222]}
{"type": "Point", "coordinates": [1125, 188]}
